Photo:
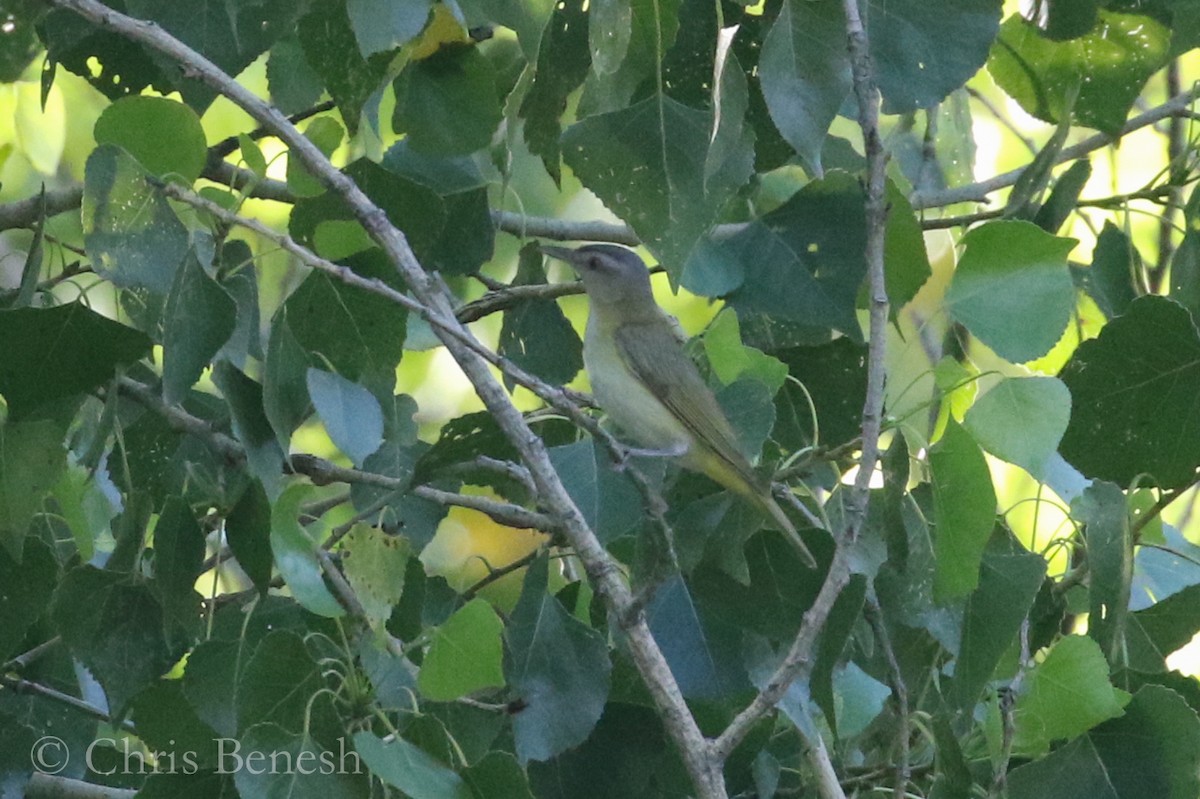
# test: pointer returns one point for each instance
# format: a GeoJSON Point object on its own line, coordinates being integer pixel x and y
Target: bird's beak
{"type": "Point", "coordinates": [561, 253]}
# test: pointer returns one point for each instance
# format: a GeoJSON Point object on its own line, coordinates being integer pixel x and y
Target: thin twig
{"type": "Point", "coordinates": [323, 472]}
{"type": "Point", "coordinates": [978, 192]}
{"type": "Point", "coordinates": [20, 686]}
{"type": "Point", "coordinates": [227, 145]}
{"type": "Point", "coordinates": [874, 616]}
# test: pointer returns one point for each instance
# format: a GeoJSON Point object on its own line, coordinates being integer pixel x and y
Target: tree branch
{"type": "Point", "coordinates": [978, 192]}
{"type": "Point", "coordinates": [602, 570]}
{"type": "Point", "coordinates": [323, 472]}
{"type": "Point", "coordinates": [799, 655]}
{"type": "Point", "coordinates": [52, 786]}
{"type": "Point", "coordinates": [24, 213]}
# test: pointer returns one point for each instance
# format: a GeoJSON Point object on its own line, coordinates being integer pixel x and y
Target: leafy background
{"type": "Point", "coordinates": [243, 501]}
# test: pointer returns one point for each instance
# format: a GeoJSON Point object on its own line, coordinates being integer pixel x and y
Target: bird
{"type": "Point", "coordinates": [642, 378]}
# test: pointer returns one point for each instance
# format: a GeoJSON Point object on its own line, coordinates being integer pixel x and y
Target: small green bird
{"type": "Point", "coordinates": [649, 386]}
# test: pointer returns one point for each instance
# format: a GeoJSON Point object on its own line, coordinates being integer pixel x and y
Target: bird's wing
{"type": "Point", "coordinates": [653, 354]}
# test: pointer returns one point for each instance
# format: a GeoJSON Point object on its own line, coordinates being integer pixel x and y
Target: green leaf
{"type": "Point", "coordinates": [327, 135]}
{"type": "Point", "coordinates": [1070, 19]}
{"type": "Point", "coordinates": [252, 154]}
{"type": "Point", "coordinates": [748, 406]}
{"type": "Point", "coordinates": [536, 334]}
{"type": "Point", "coordinates": [1109, 65]}
{"type": "Point", "coordinates": [1021, 420]}
{"type": "Point", "coordinates": [1064, 197]}
{"type": "Point", "coordinates": [199, 318]}
{"type": "Point", "coordinates": [559, 668]}
{"type": "Point", "coordinates": [466, 237]}
{"type": "Point", "coordinates": [629, 734]}
{"type": "Point", "coordinates": [358, 334]}
{"type": "Point", "coordinates": [608, 500]}
{"type": "Point", "coordinates": [53, 353]}
{"type": "Point", "coordinates": [236, 275]}
{"type": "Point", "coordinates": [285, 390]}
{"type": "Point", "coordinates": [652, 29]}
{"type": "Point", "coordinates": [835, 377]}
{"type": "Point", "coordinates": [315, 772]}
{"type": "Point", "coordinates": [331, 49]}
{"type": "Point", "coordinates": [862, 698]}
{"type": "Point", "coordinates": [803, 261]}
{"type": "Point", "coordinates": [1185, 262]}
{"type": "Point", "coordinates": [402, 765]}
{"type": "Point", "coordinates": [411, 206]}
{"type": "Point", "coordinates": [805, 73]}
{"type": "Point", "coordinates": [1112, 279]}
{"type": "Point", "coordinates": [731, 359]}
{"type": "Point", "coordinates": [705, 657]}
{"type": "Point", "coordinates": [824, 683]}
{"type": "Point", "coordinates": [1065, 695]}
{"type": "Point", "coordinates": [395, 458]}
{"type": "Point", "coordinates": [564, 58]}
{"type": "Point", "coordinates": [32, 459]}
{"type": "Point", "coordinates": [164, 136]}
{"type": "Point", "coordinates": [295, 554]}
{"type": "Point", "coordinates": [1073, 771]}
{"type": "Point", "coordinates": [248, 531]}
{"type": "Point", "coordinates": [374, 564]}
{"type": "Point", "coordinates": [25, 589]}
{"type": "Point", "coordinates": [87, 503]}
{"type": "Point", "coordinates": [178, 559]}
{"type": "Point", "coordinates": [1102, 507]}
{"type": "Point", "coordinates": [610, 28]}
{"type": "Point", "coordinates": [527, 19]}
{"type": "Point", "coordinates": [168, 723]}
{"type": "Point", "coordinates": [965, 511]}
{"type": "Point", "coordinates": [922, 51]}
{"type": "Point", "coordinates": [1154, 748]}
{"type": "Point", "coordinates": [263, 451]}
{"type": "Point", "coordinates": [350, 413]}
{"type": "Point", "coordinates": [115, 629]}
{"type": "Point", "coordinates": [384, 25]}
{"type": "Point", "coordinates": [294, 85]}
{"type": "Point", "coordinates": [21, 45]}
{"type": "Point", "coordinates": [448, 104]}
{"type": "Point", "coordinates": [993, 615]}
{"type": "Point", "coordinates": [906, 263]}
{"type": "Point", "coordinates": [925, 49]}
{"type": "Point", "coordinates": [278, 683]}
{"type": "Point", "coordinates": [1134, 391]}
{"type": "Point", "coordinates": [1012, 289]}
{"type": "Point", "coordinates": [660, 146]}
{"type": "Point", "coordinates": [1170, 623]}
{"type": "Point", "coordinates": [466, 654]}
{"type": "Point", "coordinates": [231, 36]}
{"type": "Point", "coordinates": [125, 67]}
{"type": "Point", "coordinates": [132, 236]}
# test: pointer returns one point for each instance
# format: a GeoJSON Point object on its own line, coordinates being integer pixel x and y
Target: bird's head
{"type": "Point", "coordinates": [610, 274]}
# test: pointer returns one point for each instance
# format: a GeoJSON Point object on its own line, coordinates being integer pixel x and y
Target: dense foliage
{"type": "Point", "coordinates": [253, 543]}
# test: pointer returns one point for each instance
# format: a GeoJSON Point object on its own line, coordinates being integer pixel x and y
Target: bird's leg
{"type": "Point", "coordinates": [677, 450]}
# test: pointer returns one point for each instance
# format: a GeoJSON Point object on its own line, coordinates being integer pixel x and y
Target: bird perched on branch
{"type": "Point", "coordinates": [644, 380]}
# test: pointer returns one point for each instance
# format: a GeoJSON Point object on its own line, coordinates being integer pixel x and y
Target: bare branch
{"type": "Point", "coordinates": [23, 213]}
{"type": "Point", "coordinates": [52, 786]}
{"type": "Point", "coordinates": [602, 570]}
{"type": "Point", "coordinates": [978, 192]}
{"type": "Point", "coordinates": [800, 652]}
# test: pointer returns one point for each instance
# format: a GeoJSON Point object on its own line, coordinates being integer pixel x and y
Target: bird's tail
{"type": "Point", "coordinates": [768, 503]}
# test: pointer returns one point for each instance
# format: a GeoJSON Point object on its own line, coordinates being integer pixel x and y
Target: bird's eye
{"type": "Point", "coordinates": [593, 263]}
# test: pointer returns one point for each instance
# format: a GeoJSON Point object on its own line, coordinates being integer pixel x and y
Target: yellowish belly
{"type": "Point", "coordinates": [628, 402]}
